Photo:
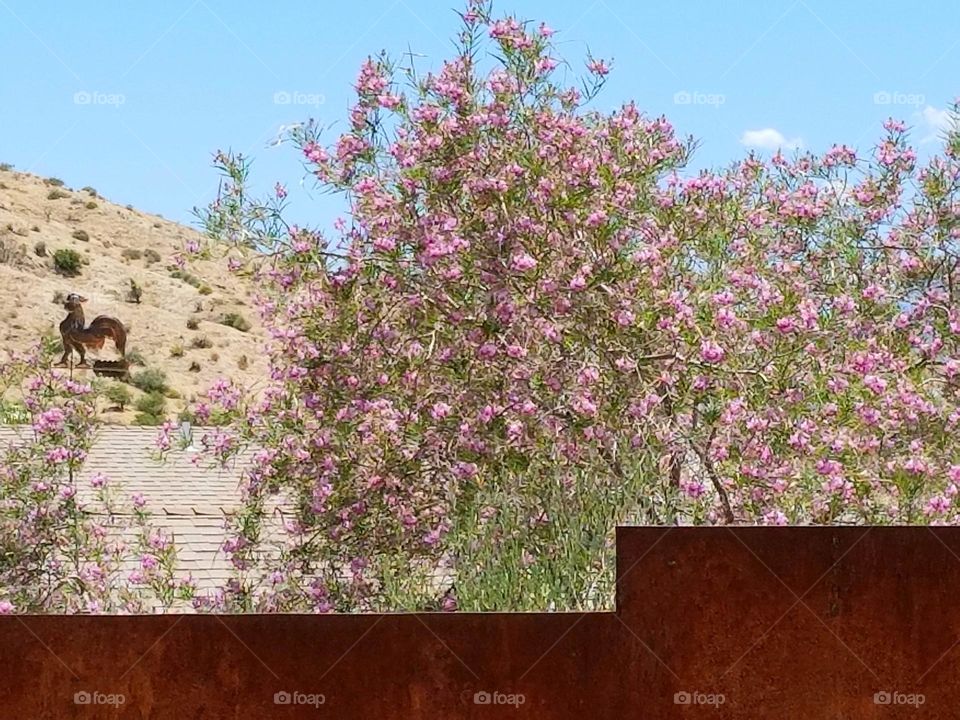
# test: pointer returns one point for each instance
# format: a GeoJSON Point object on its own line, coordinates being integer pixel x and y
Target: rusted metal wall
{"type": "Point", "coordinates": [710, 622]}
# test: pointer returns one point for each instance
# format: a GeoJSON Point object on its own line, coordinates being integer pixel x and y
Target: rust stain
{"type": "Point", "coordinates": [710, 622]}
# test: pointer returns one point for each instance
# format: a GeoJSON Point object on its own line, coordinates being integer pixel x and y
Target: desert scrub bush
{"type": "Point", "coordinates": [57, 194]}
{"type": "Point", "coordinates": [172, 394]}
{"type": "Point", "coordinates": [243, 362]}
{"type": "Point", "coordinates": [151, 409]}
{"type": "Point", "coordinates": [35, 228]}
{"type": "Point", "coordinates": [149, 380]}
{"type": "Point", "coordinates": [205, 290]}
{"type": "Point", "coordinates": [236, 321]}
{"type": "Point", "coordinates": [193, 324]}
{"type": "Point", "coordinates": [151, 256]}
{"type": "Point", "coordinates": [59, 298]}
{"type": "Point", "coordinates": [119, 394]}
{"type": "Point", "coordinates": [135, 293]}
{"type": "Point", "coordinates": [67, 262]}
{"type": "Point", "coordinates": [131, 254]}
{"type": "Point", "coordinates": [176, 350]}
{"type": "Point", "coordinates": [6, 167]}
{"type": "Point", "coordinates": [194, 367]}
{"type": "Point", "coordinates": [54, 181]}
{"type": "Point", "coordinates": [10, 254]}
{"type": "Point", "coordinates": [50, 342]}
{"type": "Point", "coordinates": [135, 357]}
{"type": "Point", "coordinates": [91, 205]}
{"type": "Point", "coordinates": [201, 343]}
{"type": "Point", "coordinates": [186, 277]}
{"type": "Point", "coordinates": [89, 190]}
{"type": "Point", "coordinates": [81, 235]}
{"type": "Point", "coordinates": [40, 249]}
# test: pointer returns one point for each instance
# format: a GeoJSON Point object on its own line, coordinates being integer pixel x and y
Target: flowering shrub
{"type": "Point", "coordinates": [532, 328]}
{"type": "Point", "coordinates": [67, 546]}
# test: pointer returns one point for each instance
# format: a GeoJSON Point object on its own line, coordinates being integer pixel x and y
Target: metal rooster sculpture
{"type": "Point", "coordinates": [77, 336]}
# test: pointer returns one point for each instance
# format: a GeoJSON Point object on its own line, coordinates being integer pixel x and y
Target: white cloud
{"type": "Point", "coordinates": [934, 123]}
{"type": "Point", "coordinates": [769, 139]}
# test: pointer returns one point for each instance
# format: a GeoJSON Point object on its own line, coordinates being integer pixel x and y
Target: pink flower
{"type": "Point", "coordinates": [440, 410]}
{"type": "Point", "coordinates": [876, 384]}
{"type": "Point", "coordinates": [584, 405]}
{"type": "Point", "coordinates": [598, 67]}
{"type": "Point", "coordinates": [487, 351]}
{"type": "Point", "coordinates": [6, 607]}
{"type": "Point", "coordinates": [937, 505]}
{"type": "Point", "coordinates": [466, 470]}
{"type": "Point", "coordinates": [786, 324]}
{"type": "Point", "coordinates": [521, 262]}
{"type": "Point", "coordinates": [711, 352]}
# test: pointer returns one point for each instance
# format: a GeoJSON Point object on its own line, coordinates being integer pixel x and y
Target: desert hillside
{"type": "Point", "coordinates": [185, 325]}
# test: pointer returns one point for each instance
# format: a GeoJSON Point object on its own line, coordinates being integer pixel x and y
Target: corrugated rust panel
{"type": "Point", "coordinates": [711, 622]}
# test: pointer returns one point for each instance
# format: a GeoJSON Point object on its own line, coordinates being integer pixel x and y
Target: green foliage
{"type": "Point", "coordinates": [56, 182]}
{"type": "Point", "coordinates": [13, 413]}
{"type": "Point", "coordinates": [151, 409]}
{"type": "Point", "coordinates": [91, 205]}
{"type": "Point", "coordinates": [188, 278]}
{"type": "Point", "coordinates": [236, 321]}
{"type": "Point", "coordinates": [119, 394]}
{"type": "Point", "coordinates": [151, 380]}
{"type": "Point", "coordinates": [67, 262]}
{"type": "Point", "coordinates": [51, 343]}
{"type": "Point", "coordinates": [135, 357]}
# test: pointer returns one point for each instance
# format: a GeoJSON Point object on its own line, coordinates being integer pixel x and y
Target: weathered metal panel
{"type": "Point", "coordinates": [710, 622]}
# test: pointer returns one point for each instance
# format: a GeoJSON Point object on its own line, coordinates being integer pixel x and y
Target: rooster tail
{"type": "Point", "coordinates": [111, 328]}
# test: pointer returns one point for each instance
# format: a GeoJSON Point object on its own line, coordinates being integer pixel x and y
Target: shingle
{"type": "Point", "coordinates": [187, 500]}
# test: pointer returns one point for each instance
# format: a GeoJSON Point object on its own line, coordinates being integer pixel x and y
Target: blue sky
{"type": "Point", "coordinates": [133, 98]}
